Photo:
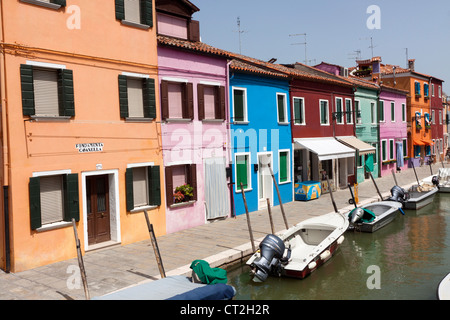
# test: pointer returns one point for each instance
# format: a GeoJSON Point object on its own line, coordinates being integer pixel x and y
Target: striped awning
{"type": "Point", "coordinates": [325, 148]}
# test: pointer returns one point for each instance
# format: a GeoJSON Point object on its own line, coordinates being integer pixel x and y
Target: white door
{"type": "Point", "coordinates": [265, 181]}
{"type": "Point", "coordinates": [216, 189]}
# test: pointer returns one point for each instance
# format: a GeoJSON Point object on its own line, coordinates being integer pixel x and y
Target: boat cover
{"type": "Point", "coordinates": [208, 275]}
{"type": "Point", "coordinates": [174, 287]}
{"type": "Point", "coordinates": [367, 217]}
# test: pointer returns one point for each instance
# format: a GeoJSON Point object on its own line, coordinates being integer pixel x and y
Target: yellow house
{"type": "Point", "coordinates": [80, 130]}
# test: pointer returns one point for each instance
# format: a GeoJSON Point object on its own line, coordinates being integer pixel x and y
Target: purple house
{"type": "Point", "coordinates": [193, 91]}
{"type": "Point", "coordinates": [393, 152]}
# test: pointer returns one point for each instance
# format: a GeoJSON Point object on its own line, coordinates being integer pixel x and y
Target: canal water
{"type": "Point", "coordinates": [405, 260]}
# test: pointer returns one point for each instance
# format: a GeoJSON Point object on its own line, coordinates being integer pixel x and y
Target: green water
{"type": "Point", "coordinates": [405, 260]}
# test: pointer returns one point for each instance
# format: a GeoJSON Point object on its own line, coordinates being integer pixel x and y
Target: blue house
{"type": "Point", "coordinates": [260, 132]}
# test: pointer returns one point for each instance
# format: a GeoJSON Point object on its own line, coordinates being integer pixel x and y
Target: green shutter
{"type": "Point", "coordinates": [26, 79]}
{"type": "Point", "coordinates": [123, 96]}
{"type": "Point", "coordinates": [297, 111]}
{"type": "Point", "coordinates": [241, 170]}
{"type": "Point", "coordinates": [35, 202]}
{"type": "Point", "coordinates": [149, 98]}
{"type": "Point", "coordinates": [154, 186]}
{"type": "Point", "coordinates": [71, 197]}
{"type": "Point", "coordinates": [280, 102]}
{"type": "Point", "coordinates": [238, 105]}
{"type": "Point", "coordinates": [129, 189]}
{"type": "Point", "coordinates": [147, 12]}
{"type": "Point", "coordinates": [62, 3]}
{"type": "Point", "coordinates": [66, 96]}
{"type": "Point", "coordinates": [283, 167]}
{"type": "Point", "coordinates": [120, 9]}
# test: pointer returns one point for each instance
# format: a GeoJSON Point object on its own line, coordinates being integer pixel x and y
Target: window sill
{"type": "Point", "coordinates": [139, 119]}
{"type": "Point", "coordinates": [213, 120]}
{"type": "Point", "coordinates": [55, 225]}
{"type": "Point", "coordinates": [245, 190]}
{"type": "Point", "coordinates": [182, 204]}
{"type": "Point", "coordinates": [283, 123]}
{"type": "Point", "coordinates": [178, 120]}
{"type": "Point", "coordinates": [135, 25]}
{"type": "Point", "coordinates": [143, 208]}
{"type": "Point", "coordinates": [43, 4]}
{"type": "Point", "coordinates": [51, 118]}
{"type": "Point", "coordinates": [240, 122]}
{"type": "Point", "coordinates": [284, 182]}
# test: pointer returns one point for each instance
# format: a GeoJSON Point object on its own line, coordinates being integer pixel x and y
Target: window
{"type": "Point", "coordinates": [417, 88]}
{"type": "Point", "coordinates": [375, 156]}
{"type": "Point", "coordinates": [403, 112]}
{"type": "Point", "coordinates": [428, 150]}
{"type": "Point", "coordinates": [282, 108]}
{"type": "Point", "coordinates": [391, 149]}
{"type": "Point", "coordinates": [284, 165]}
{"type": "Point", "coordinates": [349, 110]}
{"type": "Point", "coordinates": [143, 187]}
{"type": "Point", "coordinates": [358, 111]}
{"type": "Point", "coordinates": [299, 111]}
{"type": "Point", "coordinates": [137, 13]}
{"type": "Point", "coordinates": [47, 92]}
{"type": "Point", "coordinates": [240, 105]}
{"type": "Point", "coordinates": [177, 100]}
{"type": "Point", "coordinates": [440, 116]}
{"type": "Point", "coordinates": [324, 112]}
{"type": "Point", "coordinates": [178, 176]}
{"type": "Point", "coordinates": [405, 148]}
{"type": "Point", "coordinates": [432, 90]}
{"type": "Point", "coordinates": [242, 170]}
{"type": "Point", "coordinates": [373, 113]}
{"type": "Point", "coordinates": [416, 151]}
{"type": "Point", "coordinates": [384, 150]}
{"type": "Point", "coordinates": [433, 116]}
{"type": "Point", "coordinates": [211, 102]}
{"type": "Point", "coordinates": [137, 97]}
{"type": "Point", "coordinates": [339, 111]}
{"type": "Point", "coordinates": [433, 148]}
{"type": "Point", "coordinates": [381, 115]}
{"type": "Point", "coordinates": [425, 90]}
{"type": "Point", "coordinates": [439, 91]}
{"type": "Point", "coordinates": [392, 111]}
{"type": "Point", "coordinates": [53, 199]}
{"type": "Point", "coordinates": [52, 4]}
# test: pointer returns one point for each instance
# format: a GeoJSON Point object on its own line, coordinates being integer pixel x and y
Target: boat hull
{"type": "Point", "coordinates": [385, 211]}
{"type": "Point", "coordinates": [419, 200]}
{"type": "Point", "coordinates": [443, 292]}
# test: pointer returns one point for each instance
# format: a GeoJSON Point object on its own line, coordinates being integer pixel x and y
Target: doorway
{"type": "Point", "coordinates": [98, 211]}
{"type": "Point", "coordinates": [265, 181]}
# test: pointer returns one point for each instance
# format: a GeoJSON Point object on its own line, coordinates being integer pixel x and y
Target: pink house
{"type": "Point", "coordinates": [393, 152]}
{"type": "Point", "coordinates": [193, 89]}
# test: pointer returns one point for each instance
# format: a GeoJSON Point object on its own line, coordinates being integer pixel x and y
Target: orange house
{"type": "Point", "coordinates": [418, 108]}
{"type": "Point", "coordinates": [80, 132]}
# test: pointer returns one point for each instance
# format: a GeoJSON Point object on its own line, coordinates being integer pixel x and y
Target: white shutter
{"type": "Point", "coordinates": [133, 10]}
{"type": "Point", "coordinates": [135, 98]}
{"type": "Point", "coordinates": [140, 192]}
{"type": "Point", "coordinates": [46, 92]}
{"type": "Point", "coordinates": [51, 199]}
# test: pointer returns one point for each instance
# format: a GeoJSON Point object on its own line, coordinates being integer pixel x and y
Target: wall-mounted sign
{"type": "Point", "coordinates": [89, 147]}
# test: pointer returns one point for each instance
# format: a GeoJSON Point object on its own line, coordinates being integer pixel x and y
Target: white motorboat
{"type": "Point", "coordinates": [420, 196]}
{"type": "Point", "coordinates": [373, 216]}
{"type": "Point", "coordinates": [443, 291]}
{"type": "Point", "coordinates": [301, 249]}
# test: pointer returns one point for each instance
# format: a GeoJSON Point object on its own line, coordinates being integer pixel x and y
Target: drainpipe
{"type": "Point", "coordinates": [5, 146]}
{"type": "Point", "coordinates": [228, 128]}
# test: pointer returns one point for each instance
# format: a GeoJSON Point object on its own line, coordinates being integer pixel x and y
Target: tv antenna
{"type": "Point", "coordinates": [356, 55]}
{"type": "Point", "coordinates": [303, 43]}
{"type": "Point", "coordinates": [371, 43]}
{"type": "Point", "coordinates": [240, 32]}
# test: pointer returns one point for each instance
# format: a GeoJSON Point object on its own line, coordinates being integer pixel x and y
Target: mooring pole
{"type": "Point", "coordinates": [375, 184]}
{"type": "Point", "coordinates": [331, 194]}
{"type": "Point", "coordinates": [279, 197]}
{"type": "Point", "coordinates": [80, 261]}
{"type": "Point", "coordinates": [248, 218]}
{"type": "Point", "coordinates": [270, 216]}
{"type": "Point", "coordinates": [155, 246]}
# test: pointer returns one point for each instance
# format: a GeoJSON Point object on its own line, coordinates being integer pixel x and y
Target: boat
{"type": "Point", "coordinates": [443, 291]}
{"type": "Point", "coordinates": [301, 249]}
{"type": "Point", "coordinates": [441, 180]}
{"type": "Point", "coordinates": [373, 216]}
{"type": "Point", "coordinates": [420, 196]}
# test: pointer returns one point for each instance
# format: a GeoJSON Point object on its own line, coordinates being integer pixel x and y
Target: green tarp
{"type": "Point", "coordinates": [367, 217]}
{"type": "Point", "coordinates": [208, 275]}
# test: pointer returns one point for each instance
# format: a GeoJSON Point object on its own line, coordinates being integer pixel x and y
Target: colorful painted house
{"type": "Point", "coordinates": [80, 133]}
{"type": "Point", "coordinates": [260, 135]}
{"type": "Point", "coordinates": [193, 94]}
{"type": "Point", "coordinates": [437, 117]}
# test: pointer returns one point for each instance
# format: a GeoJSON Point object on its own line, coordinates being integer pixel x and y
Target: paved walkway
{"type": "Point", "coordinates": [220, 243]}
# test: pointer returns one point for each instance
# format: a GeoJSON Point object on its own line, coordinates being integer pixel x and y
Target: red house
{"type": "Point", "coordinates": [437, 118]}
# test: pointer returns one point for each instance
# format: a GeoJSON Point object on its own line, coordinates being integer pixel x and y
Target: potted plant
{"type": "Point", "coordinates": [183, 193]}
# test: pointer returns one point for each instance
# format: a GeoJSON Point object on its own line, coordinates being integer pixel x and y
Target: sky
{"type": "Point", "coordinates": [337, 31]}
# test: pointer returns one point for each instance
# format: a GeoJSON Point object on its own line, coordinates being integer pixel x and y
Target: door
{"type": "Point", "coordinates": [216, 189]}
{"type": "Point", "coordinates": [98, 214]}
{"type": "Point", "coordinates": [265, 181]}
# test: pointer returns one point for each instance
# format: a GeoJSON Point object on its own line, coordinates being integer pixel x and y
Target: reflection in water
{"type": "Point", "coordinates": [412, 253]}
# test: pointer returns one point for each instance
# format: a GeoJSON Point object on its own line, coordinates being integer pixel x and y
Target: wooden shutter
{"type": "Point", "coordinates": [35, 203]}
{"type": "Point", "coordinates": [26, 78]}
{"type": "Point", "coordinates": [123, 96]}
{"type": "Point", "coordinates": [280, 103]}
{"type": "Point", "coordinates": [222, 111]}
{"type": "Point", "coordinates": [120, 9]}
{"type": "Point", "coordinates": [189, 102]}
{"type": "Point", "coordinates": [149, 98]}
{"type": "Point", "coordinates": [194, 31]}
{"type": "Point", "coordinates": [201, 101]}
{"type": "Point", "coordinates": [71, 198]}
{"type": "Point", "coordinates": [129, 189]}
{"type": "Point", "coordinates": [66, 98]}
{"type": "Point", "coordinates": [147, 12]}
{"type": "Point", "coordinates": [238, 105]}
{"type": "Point", "coordinates": [283, 166]}
{"type": "Point", "coordinates": [241, 172]}
{"type": "Point", "coordinates": [193, 179]}
{"type": "Point", "coordinates": [164, 100]}
{"type": "Point", "coordinates": [169, 186]}
{"type": "Point", "coordinates": [154, 186]}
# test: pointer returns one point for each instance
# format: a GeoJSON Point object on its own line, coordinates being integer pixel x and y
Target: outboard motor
{"type": "Point", "coordinates": [357, 214]}
{"type": "Point", "coordinates": [435, 180]}
{"type": "Point", "coordinates": [398, 194]}
{"type": "Point", "coordinates": [272, 250]}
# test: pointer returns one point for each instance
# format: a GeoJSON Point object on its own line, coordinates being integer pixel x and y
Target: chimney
{"type": "Point", "coordinates": [411, 64]}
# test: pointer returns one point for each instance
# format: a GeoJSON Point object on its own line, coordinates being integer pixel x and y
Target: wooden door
{"type": "Point", "coordinates": [97, 196]}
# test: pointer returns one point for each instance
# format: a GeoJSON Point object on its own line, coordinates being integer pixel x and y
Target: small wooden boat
{"type": "Point", "coordinates": [443, 291]}
{"type": "Point", "coordinates": [373, 216]}
{"type": "Point", "coordinates": [420, 196]}
{"type": "Point", "coordinates": [301, 249]}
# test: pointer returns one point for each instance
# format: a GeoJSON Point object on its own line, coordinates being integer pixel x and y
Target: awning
{"type": "Point", "coordinates": [326, 148]}
{"type": "Point", "coordinates": [418, 142]}
{"type": "Point", "coordinates": [427, 142]}
{"type": "Point", "coordinates": [353, 142]}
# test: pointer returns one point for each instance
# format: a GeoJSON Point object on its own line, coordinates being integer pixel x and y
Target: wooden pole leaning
{"type": "Point", "coordinates": [80, 261]}
{"type": "Point", "coordinates": [155, 246]}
